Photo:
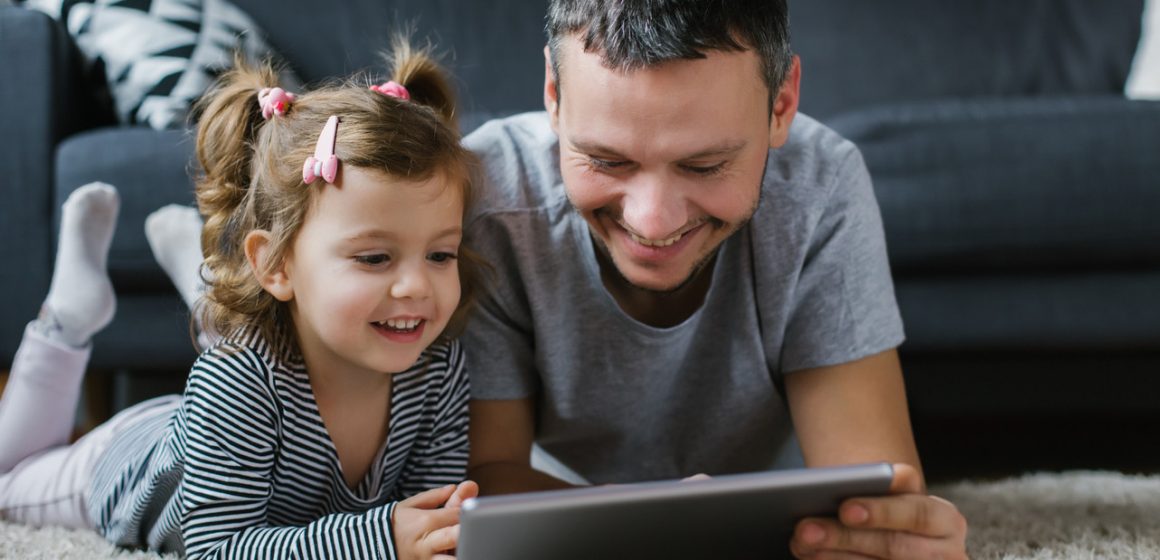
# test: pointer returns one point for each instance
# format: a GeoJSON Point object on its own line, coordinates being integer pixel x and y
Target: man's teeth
{"type": "Point", "coordinates": [661, 243]}
{"type": "Point", "coordinates": [400, 324]}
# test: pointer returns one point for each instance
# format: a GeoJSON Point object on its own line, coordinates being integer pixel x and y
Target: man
{"type": "Point", "coordinates": [688, 273]}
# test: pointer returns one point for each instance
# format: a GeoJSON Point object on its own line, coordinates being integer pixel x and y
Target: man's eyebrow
{"type": "Point", "coordinates": [595, 148]}
{"type": "Point", "coordinates": [723, 149]}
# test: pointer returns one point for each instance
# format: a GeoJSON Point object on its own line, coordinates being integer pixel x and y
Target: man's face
{"type": "Point", "coordinates": [664, 163]}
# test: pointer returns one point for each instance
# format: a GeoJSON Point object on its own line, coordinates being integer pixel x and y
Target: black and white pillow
{"type": "Point", "coordinates": [1144, 79]}
{"type": "Point", "coordinates": [159, 56]}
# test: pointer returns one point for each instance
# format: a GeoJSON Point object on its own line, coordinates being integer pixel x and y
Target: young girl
{"type": "Point", "coordinates": [332, 237]}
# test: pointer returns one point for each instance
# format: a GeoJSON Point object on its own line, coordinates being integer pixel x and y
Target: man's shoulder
{"type": "Point", "coordinates": [817, 172]}
{"type": "Point", "coordinates": [519, 165]}
{"type": "Point", "coordinates": [813, 154]}
{"type": "Point", "coordinates": [523, 130]}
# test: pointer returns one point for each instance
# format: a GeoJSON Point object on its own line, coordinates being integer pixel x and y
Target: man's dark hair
{"type": "Point", "coordinates": [634, 34]}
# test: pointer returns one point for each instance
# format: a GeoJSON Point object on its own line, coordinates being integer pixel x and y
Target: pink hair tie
{"type": "Point", "coordinates": [274, 101]}
{"type": "Point", "coordinates": [323, 163]}
{"type": "Point", "coordinates": [393, 89]}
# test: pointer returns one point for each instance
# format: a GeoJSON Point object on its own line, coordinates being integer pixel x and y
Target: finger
{"type": "Point", "coordinates": [895, 545]}
{"type": "Point", "coordinates": [698, 476]}
{"type": "Point", "coordinates": [840, 555]}
{"type": "Point", "coordinates": [429, 499]}
{"type": "Point", "coordinates": [436, 519]}
{"type": "Point", "coordinates": [914, 513]}
{"type": "Point", "coordinates": [442, 540]}
{"type": "Point", "coordinates": [464, 491]}
{"type": "Point", "coordinates": [907, 480]}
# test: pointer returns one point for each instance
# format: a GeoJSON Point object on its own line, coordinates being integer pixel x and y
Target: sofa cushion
{"type": "Point", "coordinates": [1014, 184]}
{"type": "Point", "coordinates": [857, 53]}
{"type": "Point", "coordinates": [494, 48]}
{"type": "Point", "coordinates": [1035, 311]}
{"type": "Point", "coordinates": [150, 168]}
{"type": "Point", "coordinates": [160, 55]}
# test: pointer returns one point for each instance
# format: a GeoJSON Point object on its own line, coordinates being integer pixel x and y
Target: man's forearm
{"type": "Point", "coordinates": [512, 478]}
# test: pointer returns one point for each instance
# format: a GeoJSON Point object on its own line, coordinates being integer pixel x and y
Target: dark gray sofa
{"type": "Point", "coordinates": [1019, 189]}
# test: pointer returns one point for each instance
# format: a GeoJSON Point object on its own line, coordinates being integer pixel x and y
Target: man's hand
{"type": "Point", "coordinates": [426, 525]}
{"type": "Point", "coordinates": [907, 524]}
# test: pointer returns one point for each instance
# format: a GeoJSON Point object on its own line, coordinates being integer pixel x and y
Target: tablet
{"type": "Point", "coordinates": [726, 517]}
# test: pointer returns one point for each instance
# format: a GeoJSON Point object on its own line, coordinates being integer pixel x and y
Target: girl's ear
{"type": "Point", "coordinates": [275, 281]}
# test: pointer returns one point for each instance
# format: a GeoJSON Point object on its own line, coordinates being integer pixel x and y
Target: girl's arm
{"type": "Point", "coordinates": [232, 438]}
{"type": "Point", "coordinates": [440, 453]}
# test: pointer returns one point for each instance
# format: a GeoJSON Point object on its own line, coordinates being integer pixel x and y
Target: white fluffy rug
{"type": "Point", "coordinates": [1069, 516]}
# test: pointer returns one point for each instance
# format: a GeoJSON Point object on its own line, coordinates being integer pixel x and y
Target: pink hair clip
{"type": "Point", "coordinates": [323, 163]}
{"type": "Point", "coordinates": [274, 101]}
{"type": "Point", "coordinates": [393, 89]}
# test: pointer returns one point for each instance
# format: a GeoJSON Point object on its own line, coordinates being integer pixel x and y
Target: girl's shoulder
{"type": "Point", "coordinates": [441, 366]}
{"type": "Point", "coordinates": [247, 357]}
{"type": "Point", "coordinates": [447, 352]}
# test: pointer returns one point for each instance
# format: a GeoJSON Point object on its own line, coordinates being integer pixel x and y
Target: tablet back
{"type": "Point", "coordinates": [732, 516]}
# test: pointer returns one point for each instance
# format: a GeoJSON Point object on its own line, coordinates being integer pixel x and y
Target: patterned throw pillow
{"type": "Point", "coordinates": [159, 56]}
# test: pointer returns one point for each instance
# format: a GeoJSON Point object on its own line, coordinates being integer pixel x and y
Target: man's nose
{"type": "Point", "coordinates": [654, 208]}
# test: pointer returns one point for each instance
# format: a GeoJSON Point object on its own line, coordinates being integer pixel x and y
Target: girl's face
{"type": "Point", "coordinates": [373, 271]}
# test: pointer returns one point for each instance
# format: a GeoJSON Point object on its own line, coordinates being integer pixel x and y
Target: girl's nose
{"type": "Point", "coordinates": [411, 283]}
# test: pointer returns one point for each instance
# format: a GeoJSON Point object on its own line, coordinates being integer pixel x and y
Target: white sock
{"type": "Point", "coordinates": [174, 234]}
{"type": "Point", "coordinates": [80, 299]}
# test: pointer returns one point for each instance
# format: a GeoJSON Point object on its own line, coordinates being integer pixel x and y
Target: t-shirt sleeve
{"type": "Point", "coordinates": [843, 306]}
{"type": "Point", "coordinates": [499, 342]}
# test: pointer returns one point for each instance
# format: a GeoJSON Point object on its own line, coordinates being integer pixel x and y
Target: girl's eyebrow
{"type": "Point", "coordinates": [384, 234]}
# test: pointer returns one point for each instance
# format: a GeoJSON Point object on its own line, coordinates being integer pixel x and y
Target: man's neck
{"type": "Point", "coordinates": [656, 309]}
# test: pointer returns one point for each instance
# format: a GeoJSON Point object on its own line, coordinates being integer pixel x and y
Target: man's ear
{"type": "Point", "coordinates": [551, 93]}
{"type": "Point", "coordinates": [275, 281]}
{"type": "Point", "coordinates": [785, 105]}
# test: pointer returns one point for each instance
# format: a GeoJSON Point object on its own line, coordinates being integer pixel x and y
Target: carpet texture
{"type": "Point", "coordinates": [1068, 516]}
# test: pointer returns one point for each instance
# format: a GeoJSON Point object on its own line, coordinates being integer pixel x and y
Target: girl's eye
{"type": "Point", "coordinates": [372, 260]}
{"type": "Point", "coordinates": [442, 258]}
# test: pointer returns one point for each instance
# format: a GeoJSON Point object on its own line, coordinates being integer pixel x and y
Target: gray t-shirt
{"type": "Point", "coordinates": [806, 283]}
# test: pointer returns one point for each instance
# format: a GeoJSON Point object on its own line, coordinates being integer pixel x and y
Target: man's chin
{"type": "Point", "coordinates": [652, 282]}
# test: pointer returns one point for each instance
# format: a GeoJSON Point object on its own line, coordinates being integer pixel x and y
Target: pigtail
{"type": "Point", "coordinates": [229, 120]}
{"type": "Point", "coordinates": [425, 80]}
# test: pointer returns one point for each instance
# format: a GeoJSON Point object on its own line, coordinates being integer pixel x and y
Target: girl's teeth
{"type": "Point", "coordinates": [402, 324]}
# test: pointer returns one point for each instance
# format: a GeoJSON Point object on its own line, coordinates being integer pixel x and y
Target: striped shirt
{"type": "Point", "coordinates": [241, 465]}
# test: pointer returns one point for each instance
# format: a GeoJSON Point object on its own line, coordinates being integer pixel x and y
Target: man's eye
{"type": "Point", "coordinates": [598, 163]}
{"type": "Point", "coordinates": [442, 257]}
{"type": "Point", "coordinates": [372, 260]}
{"type": "Point", "coordinates": [705, 170]}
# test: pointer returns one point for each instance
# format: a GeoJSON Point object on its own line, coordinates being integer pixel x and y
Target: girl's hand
{"type": "Point", "coordinates": [426, 525]}
{"type": "Point", "coordinates": [463, 491]}
{"type": "Point", "coordinates": [907, 524]}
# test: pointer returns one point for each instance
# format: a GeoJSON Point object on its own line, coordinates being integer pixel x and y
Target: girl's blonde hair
{"type": "Point", "coordinates": [252, 172]}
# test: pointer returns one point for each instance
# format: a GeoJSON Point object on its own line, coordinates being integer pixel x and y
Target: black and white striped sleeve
{"type": "Point", "coordinates": [440, 457]}
{"type": "Point", "coordinates": [232, 433]}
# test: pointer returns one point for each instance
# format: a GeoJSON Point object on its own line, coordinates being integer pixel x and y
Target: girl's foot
{"type": "Point", "coordinates": [80, 299]}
